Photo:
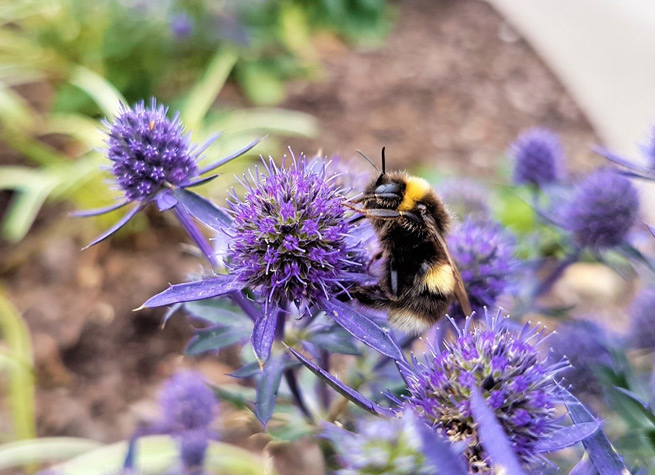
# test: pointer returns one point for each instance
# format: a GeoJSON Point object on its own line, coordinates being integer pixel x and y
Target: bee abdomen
{"type": "Point", "coordinates": [439, 279]}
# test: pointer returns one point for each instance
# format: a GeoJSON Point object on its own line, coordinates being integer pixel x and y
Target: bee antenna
{"type": "Point", "coordinates": [368, 159]}
{"type": "Point", "coordinates": [384, 162]}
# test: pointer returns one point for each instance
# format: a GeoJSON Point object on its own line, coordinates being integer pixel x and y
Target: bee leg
{"type": "Point", "coordinates": [371, 296]}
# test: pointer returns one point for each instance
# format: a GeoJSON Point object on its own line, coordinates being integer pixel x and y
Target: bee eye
{"type": "Point", "coordinates": [387, 188]}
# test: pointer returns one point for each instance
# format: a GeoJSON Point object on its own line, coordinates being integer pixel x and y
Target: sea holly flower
{"type": "Point", "coordinates": [584, 344]}
{"type": "Point", "coordinates": [515, 382]}
{"type": "Point", "coordinates": [603, 209]}
{"type": "Point", "coordinates": [642, 320]}
{"type": "Point", "coordinates": [485, 255]}
{"type": "Point", "coordinates": [292, 246]}
{"type": "Point", "coordinates": [538, 158]}
{"type": "Point", "coordinates": [154, 161]}
{"type": "Point", "coordinates": [464, 197]}
{"type": "Point", "coordinates": [516, 399]}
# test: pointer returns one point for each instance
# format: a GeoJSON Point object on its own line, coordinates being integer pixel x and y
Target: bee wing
{"type": "Point", "coordinates": [460, 290]}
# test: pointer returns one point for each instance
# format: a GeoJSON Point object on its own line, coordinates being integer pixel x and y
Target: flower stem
{"type": "Point", "coordinates": [190, 226]}
{"type": "Point", "coordinates": [550, 280]}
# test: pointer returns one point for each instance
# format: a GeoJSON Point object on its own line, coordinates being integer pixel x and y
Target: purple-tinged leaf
{"type": "Point", "coordinates": [635, 254]}
{"type": "Point", "coordinates": [584, 467]}
{"type": "Point", "coordinates": [198, 290]}
{"type": "Point", "coordinates": [247, 371]}
{"type": "Point", "coordinates": [95, 212]}
{"type": "Point", "coordinates": [635, 401]}
{"type": "Point", "coordinates": [334, 340]}
{"type": "Point", "coordinates": [651, 229]}
{"type": "Point", "coordinates": [216, 338]}
{"type": "Point", "coordinates": [202, 209]}
{"type": "Point", "coordinates": [119, 224]}
{"type": "Point", "coordinates": [232, 156]}
{"type": "Point", "coordinates": [493, 437]}
{"type": "Point", "coordinates": [263, 333]}
{"type": "Point", "coordinates": [349, 393]}
{"type": "Point", "coordinates": [165, 200]}
{"type": "Point", "coordinates": [199, 181]}
{"type": "Point", "coordinates": [362, 328]}
{"type": "Point", "coordinates": [267, 388]}
{"type": "Point", "coordinates": [606, 460]}
{"type": "Point", "coordinates": [438, 451]}
{"type": "Point", "coordinates": [215, 313]}
{"type": "Point", "coordinates": [567, 436]}
{"type": "Point", "coordinates": [621, 161]}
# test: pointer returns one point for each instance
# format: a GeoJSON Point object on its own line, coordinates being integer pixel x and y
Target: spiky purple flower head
{"type": "Point", "coordinates": [290, 235]}
{"type": "Point", "coordinates": [604, 207]}
{"type": "Point", "coordinates": [538, 157]}
{"type": "Point", "coordinates": [465, 197]}
{"type": "Point", "coordinates": [585, 345]}
{"type": "Point", "coordinates": [484, 253]}
{"type": "Point", "coordinates": [187, 403]}
{"type": "Point", "coordinates": [642, 319]}
{"type": "Point", "coordinates": [380, 446]}
{"type": "Point", "coordinates": [516, 382]}
{"type": "Point", "coordinates": [153, 160]}
{"type": "Point", "coordinates": [149, 150]}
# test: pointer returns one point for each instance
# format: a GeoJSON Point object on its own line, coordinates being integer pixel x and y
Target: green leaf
{"type": "Point", "coordinates": [203, 94]}
{"type": "Point", "coordinates": [157, 454]}
{"type": "Point", "coordinates": [21, 378]}
{"type": "Point", "coordinates": [15, 113]}
{"type": "Point", "coordinates": [512, 211]}
{"type": "Point", "coordinates": [23, 208]}
{"type": "Point", "coordinates": [261, 85]}
{"type": "Point", "coordinates": [43, 450]}
{"type": "Point", "coordinates": [103, 93]}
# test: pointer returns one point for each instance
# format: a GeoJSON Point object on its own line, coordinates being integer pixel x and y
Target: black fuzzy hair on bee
{"type": "Point", "coordinates": [420, 278]}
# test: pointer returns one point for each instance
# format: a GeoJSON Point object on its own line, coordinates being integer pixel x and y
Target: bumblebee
{"type": "Point", "coordinates": [419, 278]}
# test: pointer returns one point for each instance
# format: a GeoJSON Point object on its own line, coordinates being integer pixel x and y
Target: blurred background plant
{"type": "Point", "coordinates": [89, 56]}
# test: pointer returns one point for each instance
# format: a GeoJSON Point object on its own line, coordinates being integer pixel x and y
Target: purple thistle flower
{"type": "Point", "coordinates": [380, 446]}
{"type": "Point", "coordinates": [584, 344]}
{"type": "Point", "coordinates": [484, 254]}
{"type": "Point", "coordinates": [515, 381]}
{"type": "Point", "coordinates": [153, 161]}
{"type": "Point", "coordinates": [465, 197]}
{"type": "Point", "coordinates": [604, 208]}
{"type": "Point", "coordinates": [187, 403]}
{"type": "Point", "coordinates": [642, 320]}
{"type": "Point", "coordinates": [181, 25]}
{"type": "Point", "coordinates": [538, 158]}
{"type": "Point", "coordinates": [290, 237]}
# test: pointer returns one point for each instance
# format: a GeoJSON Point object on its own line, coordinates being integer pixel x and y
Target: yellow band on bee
{"type": "Point", "coordinates": [415, 190]}
{"type": "Point", "coordinates": [440, 279]}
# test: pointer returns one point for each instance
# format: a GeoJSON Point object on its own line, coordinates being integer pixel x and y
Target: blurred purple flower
{"type": "Point", "coordinates": [584, 344]}
{"type": "Point", "coordinates": [152, 158]}
{"type": "Point", "coordinates": [516, 383]}
{"type": "Point", "coordinates": [465, 197]}
{"type": "Point", "coordinates": [193, 447]}
{"type": "Point", "coordinates": [603, 209]}
{"type": "Point", "coordinates": [187, 403]}
{"type": "Point", "coordinates": [181, 25]}
{"type": "Point", "coordinates": [538, 158]}
{"type": "Point", "coordinates": [484, 254]}
{"type": "Point", "coordinates": [642, 320]}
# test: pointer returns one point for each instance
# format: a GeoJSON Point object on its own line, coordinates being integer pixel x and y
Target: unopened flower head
{"type": "Point", "coordinates": [380, 446]}
{"type": "Point", "coordinates": [538, 157]}
{"type": "Point", "coordinates": [642, 319]}
{"type": "Point", "coordinates": [516, 382]}
{"type": "Point", "coordinates": [187, 403]}
{"type": "Point", "coordinates": [193, 447]}
{"type": "Point", "coordinates": [290, 233]}
{"type": "Point", "coordinates": [149, 150]}
{"type": "Point", "coordinates": [604, 208]}
{"type": "Point", "coordinates": [484, 253]}
{"type": "Point", "coordinates": [584, 344]}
